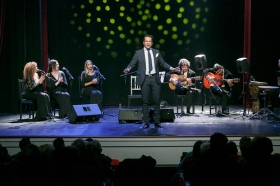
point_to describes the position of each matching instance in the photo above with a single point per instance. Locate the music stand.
(265, 112)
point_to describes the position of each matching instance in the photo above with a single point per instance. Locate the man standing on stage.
(148, 60)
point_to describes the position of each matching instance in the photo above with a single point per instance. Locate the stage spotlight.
(200, 61)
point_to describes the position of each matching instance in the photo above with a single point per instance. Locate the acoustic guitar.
(217, 79)
(182, 79)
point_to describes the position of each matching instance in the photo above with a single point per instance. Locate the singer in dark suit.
(148, 78)
(56, 84)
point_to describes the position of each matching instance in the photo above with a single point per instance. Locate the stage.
(126, 139)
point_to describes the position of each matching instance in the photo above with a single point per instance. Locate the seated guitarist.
(225, 91)
(182, 87)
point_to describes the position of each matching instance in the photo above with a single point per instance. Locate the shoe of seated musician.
(225, 112)
(188, 111)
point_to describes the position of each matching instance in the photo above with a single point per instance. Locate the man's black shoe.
(158, 125)
(146, 126)
(225, 112)
(188, 111)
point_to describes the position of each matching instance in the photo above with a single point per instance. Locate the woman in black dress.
(90, 80)
(34, 90)
(56, 84)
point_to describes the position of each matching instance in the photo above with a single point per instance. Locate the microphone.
(252, 78)
(41, 71)
(95, 66)
(67, 72)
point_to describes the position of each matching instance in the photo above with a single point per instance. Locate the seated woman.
(56, 84)
(90, 80)
(34, 90)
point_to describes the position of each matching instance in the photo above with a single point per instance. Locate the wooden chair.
(22, 100)
(133, 88)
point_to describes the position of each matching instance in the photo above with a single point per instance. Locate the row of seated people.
(81, 163)
(56, 84)
(217, 162)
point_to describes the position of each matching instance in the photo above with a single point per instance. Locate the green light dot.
(105, 28)
(140, 32)
(131, 31)
(148, 25)
(204, 20)
(174, 36)
(112, 32)
(196, 36)
(122, 36)
(122, 8)
(165, 32)
(104, 1)
(88, 20)
(140, 12)
(98, 20)
(128, 41)
(133, 24)
(147, 11)
(191, 3)
(72, 22)
(88, 45)
(107, 47)
(128, 54)
(99, 54)
(139, 23)
(206, 9)
(197, 16)
(90, 1)
(202, 29)
(80, 28)
(193, 26)
(179, 42)
(121, 14)
(179, 15)
(167, 7)
(89, 14)
(129, 19)
(197, 10)
(98, 8)
(137, 40)
(114, 54)
(87, 34)
(139, 6)
(82, 6)
(179, 1)
(168, 20)
(181, 9)
(166, 1)
(107, 8)
(158, 47)
(161, 41)
(98, 39)
(185, 21)
(144, 17)
(110, 41)
(185, 33)
(158, 6)
(174, 29)
(188, 41)
(120, 28)
(131, 9)
(160, 27)
(155, 17)
(112, 21)
(75, 15)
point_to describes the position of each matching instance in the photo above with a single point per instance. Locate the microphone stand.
(101, 87)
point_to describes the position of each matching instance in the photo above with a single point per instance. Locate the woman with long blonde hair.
(90, 80)
(34, 90)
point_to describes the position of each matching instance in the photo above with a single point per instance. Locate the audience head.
(262, 146)
(232, 148)
(245, 146)
(80, 144)
(58, 143)
(196, 148)
(218, 144)
(24, 142)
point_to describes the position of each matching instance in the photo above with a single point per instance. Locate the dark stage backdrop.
(108, 33)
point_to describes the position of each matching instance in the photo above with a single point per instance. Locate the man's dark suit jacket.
(139, 60)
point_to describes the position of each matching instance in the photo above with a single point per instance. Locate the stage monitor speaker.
(200, 61)
(130, 115)
(242, 65)
(84, 113)
(166, 115)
